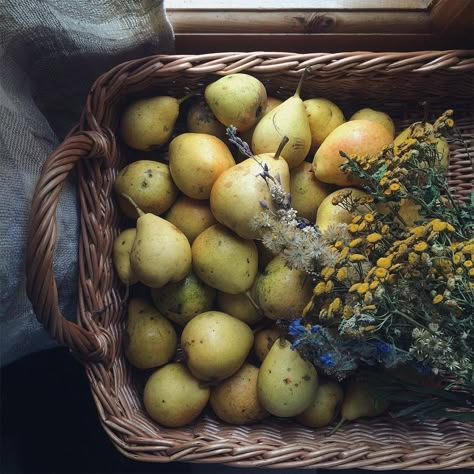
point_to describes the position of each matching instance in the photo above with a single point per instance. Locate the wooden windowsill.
(382, 25)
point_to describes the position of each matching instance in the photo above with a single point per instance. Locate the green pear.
(151, 338)
(238, 192)
(286, 382)
(264, 340)
(148, 123)
(180, 301)
(224, 260)
(361, 400)
(288, 119)
(160, 253)
(237, 99)
(281, 292)
(215, 345)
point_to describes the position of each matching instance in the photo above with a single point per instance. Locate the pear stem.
(338, 426)
(254, 304)
(133, 203)
(186, 97)
(300, 83)
(282, 144)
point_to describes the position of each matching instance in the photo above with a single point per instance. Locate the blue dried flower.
(296, 328)
(326, 359)
(315, 329)
(383, 347)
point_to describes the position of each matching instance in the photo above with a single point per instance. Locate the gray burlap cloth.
(50, 53)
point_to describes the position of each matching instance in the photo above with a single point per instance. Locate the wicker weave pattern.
(396, 80)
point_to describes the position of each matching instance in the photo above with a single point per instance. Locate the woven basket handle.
(42, 233)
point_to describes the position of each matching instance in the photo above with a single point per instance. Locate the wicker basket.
(394, 81)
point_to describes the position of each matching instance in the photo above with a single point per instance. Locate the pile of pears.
(205, 293)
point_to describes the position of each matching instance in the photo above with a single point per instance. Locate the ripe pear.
(282, 293)
(235, 400)
(375, 116)
(360, 137)
(237, 99)
(215, 345)
(361, 400)
(196, 161)
(323, 116)
(264, 340)
(151, 338)
(408, 213)
(286, 382)
(148, 123)
(325, 405)
(190, 216)
(182, 300)
(173, 396)
(425, 128)
(121, 256)
(200, 119)
(149, 184)
(307, 192)
(160, 253)
(288, 119)
(224, 260)
(272, 102)
(331, 214)
(242, 306)
(238, 192)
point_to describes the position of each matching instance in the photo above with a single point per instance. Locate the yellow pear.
(264, 340)
(238, 192)
(148, 123)
(149, 184)
(325, 405)
(224, 260)
(323, 116)
(286, 382)
(235, 399)
(272, 102)
(425, 128)
(200, 119)
(288, 119)
(281, 292)
(160, 253)
(190, 216)
(215, 345)
(151, 338)
(331, 214)
(375, 116)
(237, 99)
(173, 396)
(408, 213)
(242, 306)
(307, 192)
(359, 137)
(121, 256)
(361, 400)
(196, 161)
